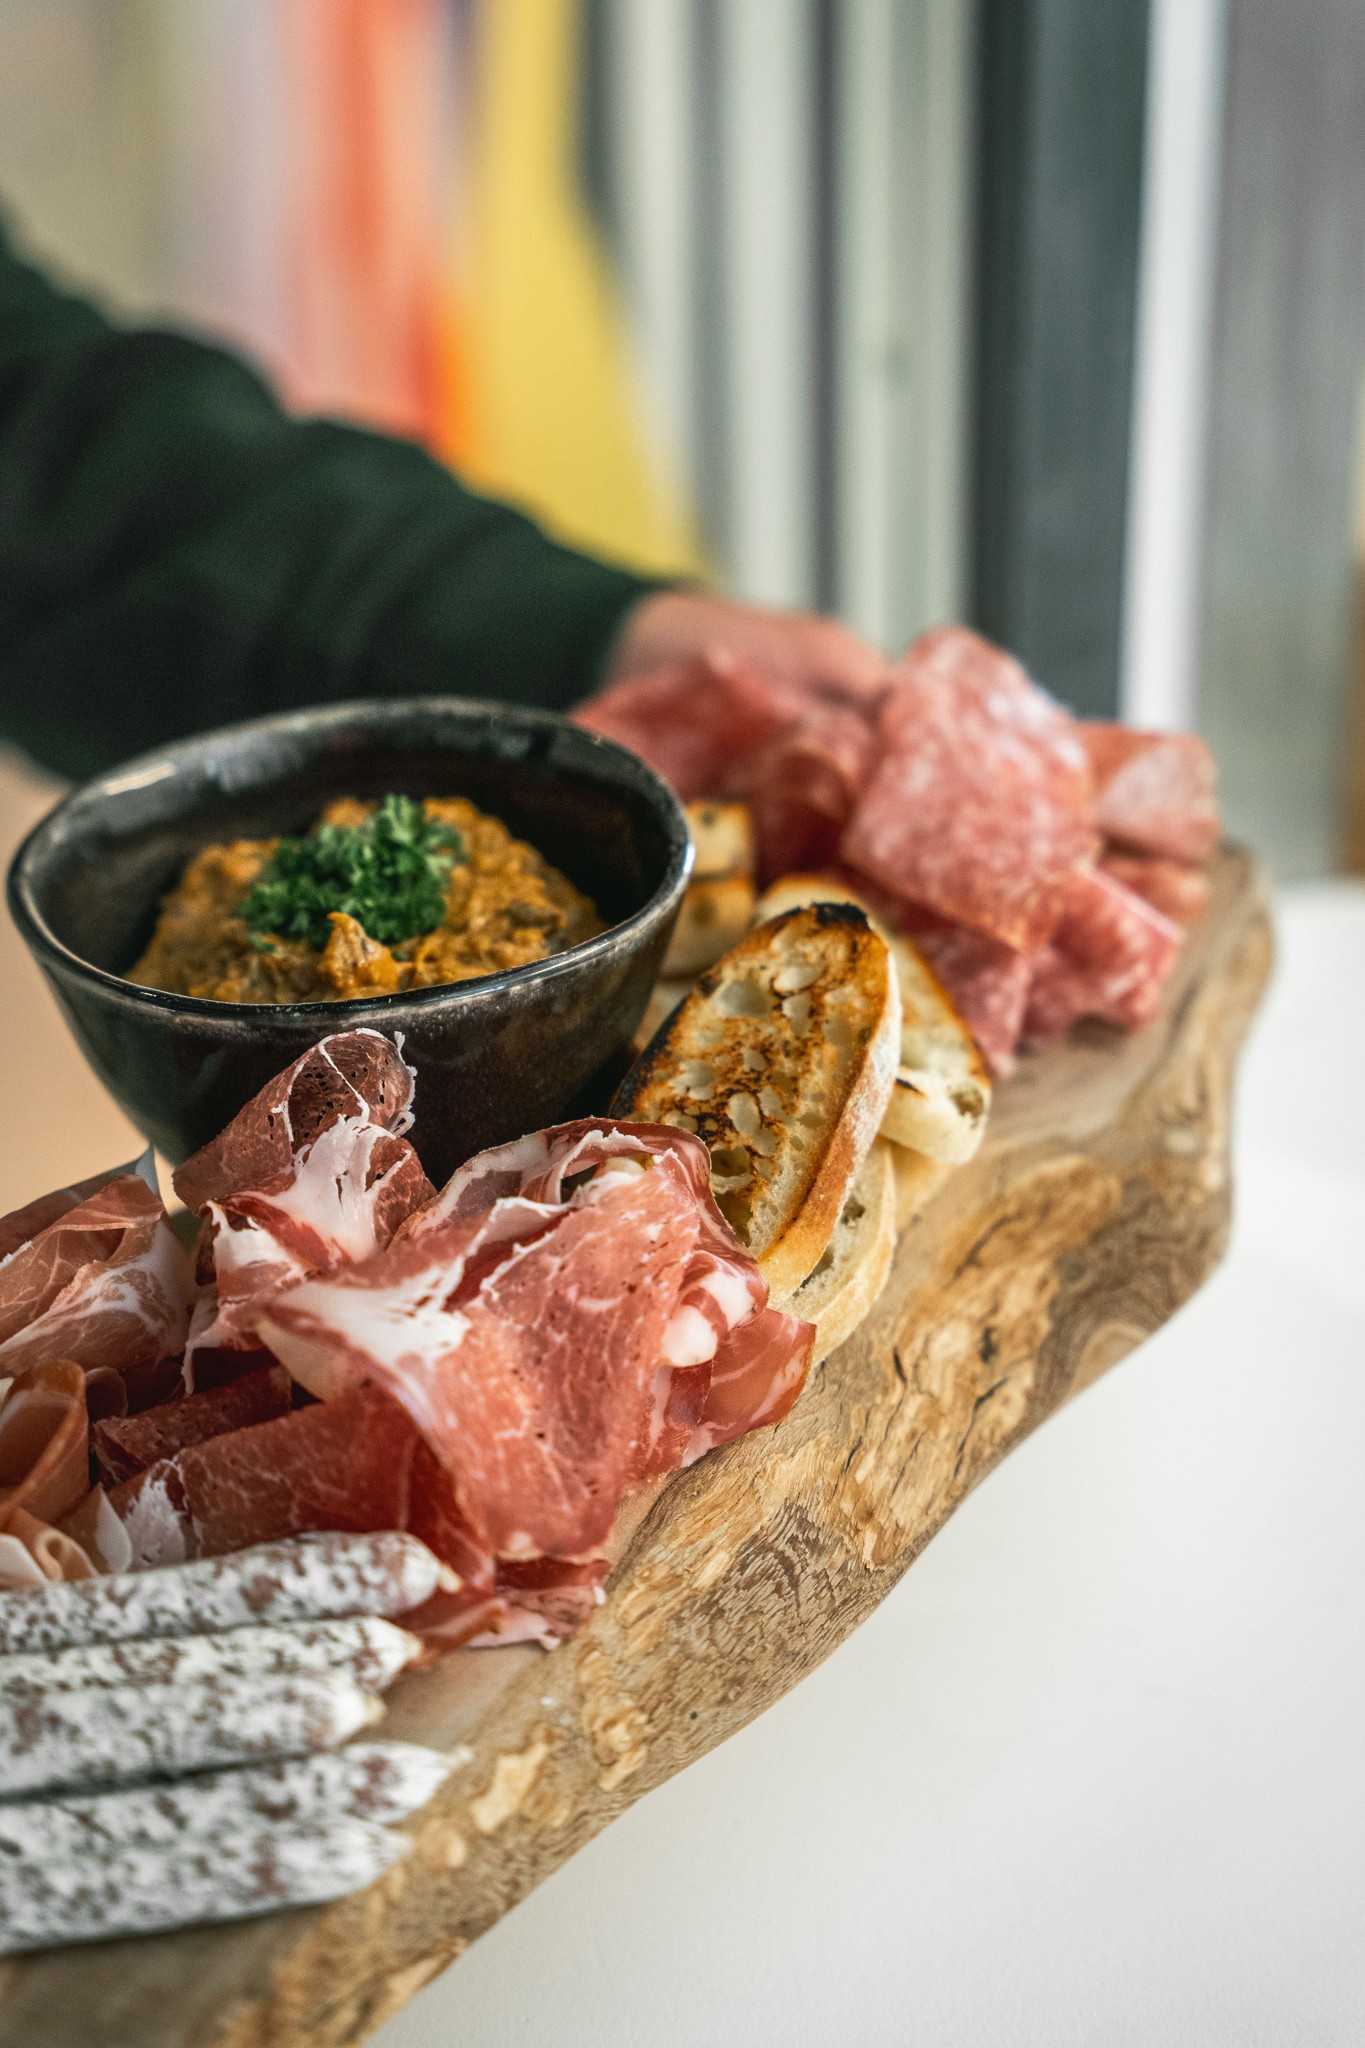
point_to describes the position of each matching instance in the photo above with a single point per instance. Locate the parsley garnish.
(389, 874)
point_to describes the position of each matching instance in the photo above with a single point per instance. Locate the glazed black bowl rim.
(138, 771)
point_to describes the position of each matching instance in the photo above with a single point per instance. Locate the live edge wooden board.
(1098, 1204)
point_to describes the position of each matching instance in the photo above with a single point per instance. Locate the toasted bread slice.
(942, 1096)
(719, 904)
(782, 1060)
(664, 999)
(918, 1180)
(716, 912)
(723, 836)
(853, 1270)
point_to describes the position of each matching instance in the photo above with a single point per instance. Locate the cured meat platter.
(1098, 1202)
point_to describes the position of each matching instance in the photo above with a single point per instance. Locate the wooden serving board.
(1098, 1204)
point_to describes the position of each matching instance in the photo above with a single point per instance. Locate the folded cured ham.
(44, 1475)
(101, 1280)
(494, 1368)
(95, 1294)
(314, 1172)
(124, 1446)
(966, 806)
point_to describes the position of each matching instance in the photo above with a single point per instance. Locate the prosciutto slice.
(314, 1172)
(125, 1446)
(44, 1475)
(357, 1463)
(102, 1280)
(336, 1465)
(533, 1319)
(570, 1317)
(980, 803)
(23, 1225)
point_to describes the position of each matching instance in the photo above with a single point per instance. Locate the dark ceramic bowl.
(494, 1057)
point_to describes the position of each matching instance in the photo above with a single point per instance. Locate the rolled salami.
(307, 1578)
(373, 1652)
(373, 1781)
(140, 1890)
(118, 1734)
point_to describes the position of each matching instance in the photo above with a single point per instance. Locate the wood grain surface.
(1098, 1204)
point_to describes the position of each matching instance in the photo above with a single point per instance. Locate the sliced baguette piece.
(918, 1180)
(719, 904)
(715, 914)
(782, 1060)
(942, 1097)
(854, 1268)
(723, 840)
(664, 999)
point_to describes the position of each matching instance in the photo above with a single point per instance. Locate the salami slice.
(988, 982)
(1178, 892)
(801, 789)
(1110, 958)
(1155, 792)
(311, 1578)
(138, 1891)
(119, 1734)
(380, 1782)
(980, 803)
(695, 721)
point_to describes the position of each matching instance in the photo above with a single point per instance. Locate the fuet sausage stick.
(138, 1891)
(374, 1781)
(372, 1652)
(118, 1734)
(307, 1578)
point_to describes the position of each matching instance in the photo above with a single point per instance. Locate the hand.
(805, 648)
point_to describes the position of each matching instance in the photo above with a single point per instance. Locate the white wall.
(904, 318)
(1164, 570)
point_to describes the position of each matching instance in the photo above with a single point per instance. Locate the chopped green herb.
(389, 874)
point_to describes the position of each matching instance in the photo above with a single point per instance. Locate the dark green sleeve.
(176, 553)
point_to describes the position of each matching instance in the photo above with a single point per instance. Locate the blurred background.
(1043, 314)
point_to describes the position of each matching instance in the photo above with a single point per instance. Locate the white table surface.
(1095, 1773)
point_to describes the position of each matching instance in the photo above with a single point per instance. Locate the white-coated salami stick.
(118, 1734)
(371, 1651)
(307, 1578)
(373, 1781)
(140, 1891)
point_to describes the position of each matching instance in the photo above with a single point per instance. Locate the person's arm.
(176, 552)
